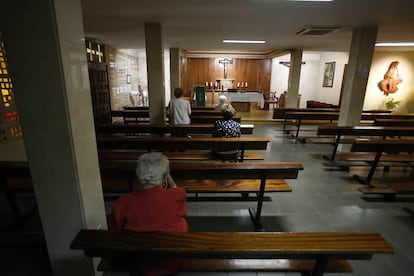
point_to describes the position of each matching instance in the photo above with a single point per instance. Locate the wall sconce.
(128, 78)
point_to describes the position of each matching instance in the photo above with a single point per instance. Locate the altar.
(242, 101)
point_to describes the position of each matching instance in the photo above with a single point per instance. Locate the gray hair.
(222, 98)
(152, 168)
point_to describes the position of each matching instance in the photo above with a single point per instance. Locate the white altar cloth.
(252, 97)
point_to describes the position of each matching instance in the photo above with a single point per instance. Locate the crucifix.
(225, 62)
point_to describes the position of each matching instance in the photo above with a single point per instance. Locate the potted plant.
(390, 104)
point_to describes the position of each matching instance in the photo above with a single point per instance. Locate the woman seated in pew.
(226, 128)
(223, 106)
(156, 204)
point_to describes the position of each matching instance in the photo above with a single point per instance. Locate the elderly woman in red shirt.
(156, 204)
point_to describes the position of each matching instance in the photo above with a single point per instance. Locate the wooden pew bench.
(196, 144)
(172, 156)
(394, 122)
(14, 178)
(204, 177)
(142, 116)
(132, 116)
(338, 132)
(385, 150)
(214, 177)
(279, 114)
(329, 117)
(162, 130)
(307, 253)
(209, 119)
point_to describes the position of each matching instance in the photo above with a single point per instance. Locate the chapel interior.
(71, 68)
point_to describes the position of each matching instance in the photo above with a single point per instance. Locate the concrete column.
(360, 58)
(174, 69)
(46, 55)
(294, 77)
(155, 69)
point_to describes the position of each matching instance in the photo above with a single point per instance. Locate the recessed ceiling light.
(395, 44)
(244, 41)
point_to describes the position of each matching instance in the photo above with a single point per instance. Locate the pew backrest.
(133, 246)
(365, 130)
(394, 122)
(162, 129)
(216, 170)
(381, 145)
(177, 143)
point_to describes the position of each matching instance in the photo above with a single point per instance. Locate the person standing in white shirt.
(179, 109)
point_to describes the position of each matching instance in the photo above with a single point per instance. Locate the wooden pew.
(198, 116)
(382, 148)
(203, 119)
(162, 129)
(206, 112)
(199, 177)
(280, 113)
(394, 122)
(181, 143)
(355, 131)
(132, 115)
(307, 253)
(298, 117)
(223, 173)
(14, 177)
(120, 154)
(211, 107)
(329, 117)
(207, 107)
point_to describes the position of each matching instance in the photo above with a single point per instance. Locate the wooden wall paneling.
(198, 71)
(98, 78)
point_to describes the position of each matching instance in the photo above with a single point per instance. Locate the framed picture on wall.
(328, 74)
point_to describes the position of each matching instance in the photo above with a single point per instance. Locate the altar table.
(249, 97)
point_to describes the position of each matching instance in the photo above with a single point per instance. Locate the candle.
(238, 84)
(211, 83)
(216, 85)
(206, 83)
(242, 84)
(245, 84)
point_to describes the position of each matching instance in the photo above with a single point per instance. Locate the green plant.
(391, 104)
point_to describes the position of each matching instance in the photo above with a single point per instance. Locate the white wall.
(311, 78)
(331, 94)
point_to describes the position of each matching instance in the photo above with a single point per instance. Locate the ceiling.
(199, 26)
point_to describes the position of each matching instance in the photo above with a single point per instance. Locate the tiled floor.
(322, 200)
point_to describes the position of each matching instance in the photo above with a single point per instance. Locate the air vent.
(319, 31)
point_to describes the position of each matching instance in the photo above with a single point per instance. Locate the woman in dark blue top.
(226, 128)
